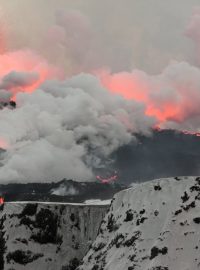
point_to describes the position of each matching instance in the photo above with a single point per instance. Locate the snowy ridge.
(47, 236)
(87, 202)
(151, 226)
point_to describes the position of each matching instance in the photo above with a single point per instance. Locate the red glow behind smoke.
(149, 91)
(27, 61)
(132, 88)
(3, 144)
(23, 61)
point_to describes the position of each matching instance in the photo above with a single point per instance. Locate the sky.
(127, 34)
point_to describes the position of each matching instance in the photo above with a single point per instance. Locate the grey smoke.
(64, 129)
(18, 79)
(5, 95)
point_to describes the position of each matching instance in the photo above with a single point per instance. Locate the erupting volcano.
(67, 124)
(98, 98)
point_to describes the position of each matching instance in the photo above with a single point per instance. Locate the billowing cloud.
(65, 128)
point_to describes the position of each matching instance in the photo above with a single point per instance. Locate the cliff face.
(151, 226)
(47, 236)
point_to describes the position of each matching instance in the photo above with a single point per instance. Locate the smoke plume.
(65, 128)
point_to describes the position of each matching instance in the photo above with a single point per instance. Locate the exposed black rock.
(22, 257)
(155, 251)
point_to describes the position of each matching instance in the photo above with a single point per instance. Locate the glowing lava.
(1, 200)
(107, 180)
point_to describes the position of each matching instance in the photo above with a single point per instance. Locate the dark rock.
(191, 205)
(155, 251)
(157, 188)
(111, 226)
(129, 216)
(22, 257)
(178, 212)
(185, 197)
(29, 210)
(73, 264)
(197, 220)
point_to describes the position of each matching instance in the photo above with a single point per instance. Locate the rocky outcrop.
(47, 236)
(151, 226)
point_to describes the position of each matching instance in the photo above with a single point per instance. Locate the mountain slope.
(151, 226)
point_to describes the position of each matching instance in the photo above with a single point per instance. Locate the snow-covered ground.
(151, 226)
